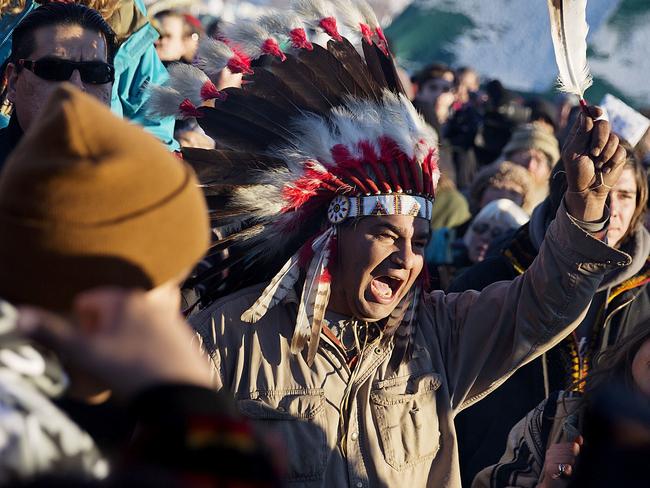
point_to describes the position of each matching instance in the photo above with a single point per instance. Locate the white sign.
(625, 121)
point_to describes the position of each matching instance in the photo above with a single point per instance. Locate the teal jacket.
(136, 65)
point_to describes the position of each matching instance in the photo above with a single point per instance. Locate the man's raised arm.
(486, 336)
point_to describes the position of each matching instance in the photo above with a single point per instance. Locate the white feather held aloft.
(569, 30)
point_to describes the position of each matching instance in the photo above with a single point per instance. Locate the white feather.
(281, 24)
(261, 200)
(304, 322)
(313, 11)
(569, 32)
(188, 81)
(212, 56)
(248, 36)
(350, 15)
(275, 292)
(162, 101)
(368, 14)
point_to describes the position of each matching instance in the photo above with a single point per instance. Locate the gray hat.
(531, 136)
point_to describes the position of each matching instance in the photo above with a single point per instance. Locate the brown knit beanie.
(531, 136)
(87, 200)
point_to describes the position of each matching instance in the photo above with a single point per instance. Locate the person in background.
(94, 258)
(537, 150)
(179, 36)
(451, 250)
(196, 30)
(543, 448)
(501, 180)
(136, 62)
(494, 220)
(468, 83)
(53, 44)
(450, 209)
(434, 99)
(502, 113)
(435, 94)
(464, 125)
(621, 305)
(543, 114)
(178, 42)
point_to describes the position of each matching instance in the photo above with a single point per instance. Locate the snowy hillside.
(510, 40)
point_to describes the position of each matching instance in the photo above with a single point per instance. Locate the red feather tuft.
(387, 147)
(313, 183)
(348, 163)
(366, 33)
(299, 39)
(328, 24)
(326, 276)
(271, 47)
(188, 109)
(383, 41)
(426, 173)
(306, 253)
(368, 151)
(239, 63)
(209, 91)
(416, 176)
(404, 174)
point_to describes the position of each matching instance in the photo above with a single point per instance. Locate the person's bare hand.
(129, 340)
(564, 453)
(594, 161)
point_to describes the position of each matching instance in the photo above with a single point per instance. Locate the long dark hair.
(615, 362)
(55, 13)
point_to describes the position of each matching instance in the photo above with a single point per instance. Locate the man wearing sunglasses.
(55, 43)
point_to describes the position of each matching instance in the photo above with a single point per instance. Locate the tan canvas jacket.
(372, 427)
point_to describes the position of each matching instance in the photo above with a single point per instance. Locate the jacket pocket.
(406, 416)
(297, 417)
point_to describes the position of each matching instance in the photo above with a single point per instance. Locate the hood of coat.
(637, 245)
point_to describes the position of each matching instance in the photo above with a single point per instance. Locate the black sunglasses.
(92, 72)
(481, 228)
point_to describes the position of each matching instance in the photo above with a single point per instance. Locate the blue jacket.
(136, 65)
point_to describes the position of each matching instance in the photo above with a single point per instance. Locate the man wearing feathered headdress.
(323, 192)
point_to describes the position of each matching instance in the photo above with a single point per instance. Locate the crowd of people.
(261, 253)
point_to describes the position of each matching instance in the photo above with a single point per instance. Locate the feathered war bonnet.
(315, 136)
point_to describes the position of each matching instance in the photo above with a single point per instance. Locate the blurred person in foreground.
(621, 304)
(99, 224)
(536, 149)
(327, 337)
(53, 44)
(544, 447)
(136, 62)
